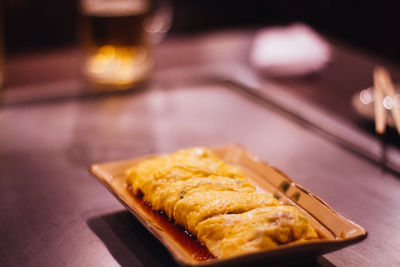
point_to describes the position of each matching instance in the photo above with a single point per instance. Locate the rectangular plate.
(337, 231)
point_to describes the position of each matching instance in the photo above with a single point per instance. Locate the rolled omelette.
(215, 202)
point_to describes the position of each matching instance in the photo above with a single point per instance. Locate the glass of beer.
(116, 46)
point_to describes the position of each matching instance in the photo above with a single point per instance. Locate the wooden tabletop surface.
(203, 92)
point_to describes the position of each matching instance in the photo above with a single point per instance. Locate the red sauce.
(190, 243)
(320, 235)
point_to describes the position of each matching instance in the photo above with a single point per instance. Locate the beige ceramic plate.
(337, 231)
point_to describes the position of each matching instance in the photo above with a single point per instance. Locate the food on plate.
(215, 202)
(266, 227)
(196, 207)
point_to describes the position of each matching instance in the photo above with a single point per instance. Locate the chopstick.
(383, 85)
(379, 109)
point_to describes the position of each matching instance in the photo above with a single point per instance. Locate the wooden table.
(202, 93)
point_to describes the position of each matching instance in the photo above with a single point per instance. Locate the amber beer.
(117, 54)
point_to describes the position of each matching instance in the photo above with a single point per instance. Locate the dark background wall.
(371, 25)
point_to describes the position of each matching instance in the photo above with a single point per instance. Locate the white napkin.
(289, 50)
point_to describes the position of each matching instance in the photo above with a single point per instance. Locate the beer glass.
(116, 46)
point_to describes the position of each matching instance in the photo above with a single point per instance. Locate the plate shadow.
(128, 241)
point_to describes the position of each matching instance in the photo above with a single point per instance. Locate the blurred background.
(32, 25)
(204, 85)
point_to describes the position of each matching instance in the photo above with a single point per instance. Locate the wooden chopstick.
(379, 109)
(386, 86)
